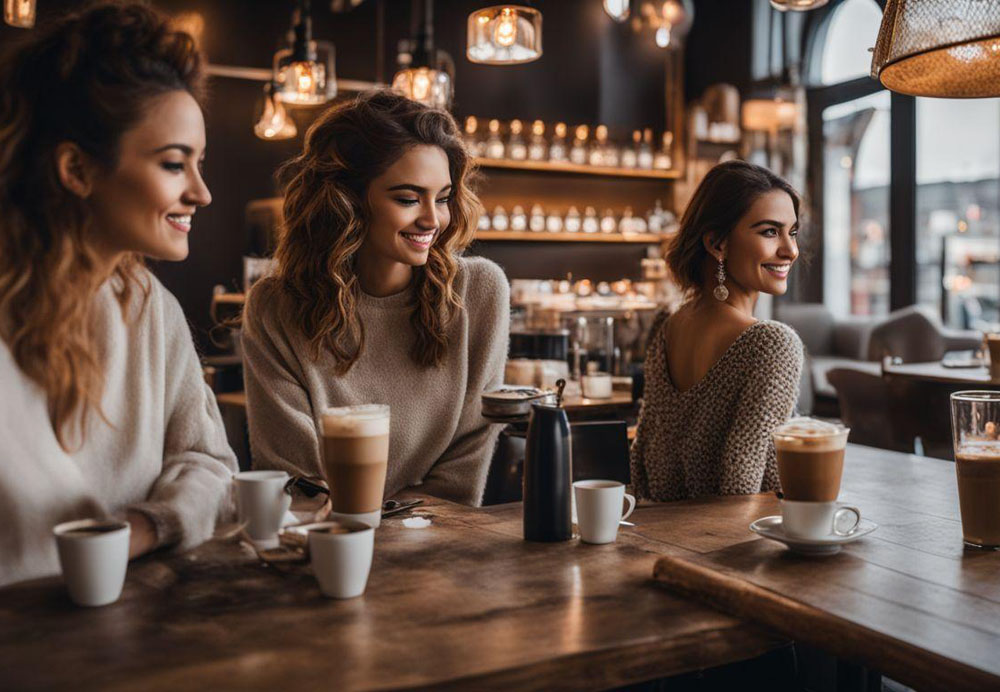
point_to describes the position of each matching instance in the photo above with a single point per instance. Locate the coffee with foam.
(355, 456)
(810, 455)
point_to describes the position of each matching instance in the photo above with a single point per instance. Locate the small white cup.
(599, 509)
(596, 385)
(818, 520)
(341, 561)
(93, 555)
(262, 505)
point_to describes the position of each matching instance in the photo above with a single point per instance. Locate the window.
(851, 32)
(958, 210)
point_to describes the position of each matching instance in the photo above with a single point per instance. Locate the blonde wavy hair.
(86, 79)
(326, 217)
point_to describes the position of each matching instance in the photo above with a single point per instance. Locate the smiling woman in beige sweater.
(103, 409)
(372, 302)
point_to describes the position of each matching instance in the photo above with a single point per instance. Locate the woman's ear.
(717, 249)
(75, 169)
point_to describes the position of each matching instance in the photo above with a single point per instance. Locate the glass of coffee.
(993, 349)
(810, 456)
(975, 428)
(355, 458)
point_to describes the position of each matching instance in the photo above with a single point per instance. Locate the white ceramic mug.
(596, 385)
(262, 504)
(818, 520)
(93, 555)
(341, 561)
(599, 509)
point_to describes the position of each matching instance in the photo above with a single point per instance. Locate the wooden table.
(906, 600)
(465, 603)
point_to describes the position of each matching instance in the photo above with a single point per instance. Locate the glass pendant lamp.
(274, 122)
(304, 73)
(19, 13)
(944, 49)
(426, 74)
(504, 35)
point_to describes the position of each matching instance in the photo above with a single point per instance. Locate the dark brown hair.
(326, 217)
(724, 196)
(86, 78)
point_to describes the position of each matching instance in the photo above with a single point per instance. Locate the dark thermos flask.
(548, 474)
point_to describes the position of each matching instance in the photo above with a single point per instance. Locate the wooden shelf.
(558, 167)
(545, 236)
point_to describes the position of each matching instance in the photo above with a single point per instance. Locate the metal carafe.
(548, 473)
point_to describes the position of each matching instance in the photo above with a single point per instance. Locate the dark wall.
(592, 71)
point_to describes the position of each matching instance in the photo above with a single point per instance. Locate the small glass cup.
(975, 426)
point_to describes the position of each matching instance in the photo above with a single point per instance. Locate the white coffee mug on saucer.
(262, 502)
(599, 509)
(818, 520)
(93, 555)
(341, 561)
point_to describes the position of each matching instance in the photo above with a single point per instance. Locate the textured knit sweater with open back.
(715, 437)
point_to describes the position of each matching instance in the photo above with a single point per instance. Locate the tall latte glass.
(975, 426)
(355, 458)
(810, 459)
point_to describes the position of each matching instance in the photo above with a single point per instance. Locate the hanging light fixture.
(950, 50)
(618, 10)
(274, 122)
(426, 74)
(304, 73)
(670, 20)
(504, 35)
(19, 13)
(797, 5)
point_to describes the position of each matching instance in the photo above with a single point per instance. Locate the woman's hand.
(143, 535)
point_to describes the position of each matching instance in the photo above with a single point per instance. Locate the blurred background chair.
(864, 408)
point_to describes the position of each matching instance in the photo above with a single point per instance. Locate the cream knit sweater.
(164, 453)
(438, 438)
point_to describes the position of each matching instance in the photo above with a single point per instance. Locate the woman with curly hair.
(104, 408)
(372, 301)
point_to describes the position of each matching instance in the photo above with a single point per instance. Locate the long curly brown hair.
(326, 216)
(86, 79)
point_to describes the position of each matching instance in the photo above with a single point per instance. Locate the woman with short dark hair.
(104, 409)
(717, 380)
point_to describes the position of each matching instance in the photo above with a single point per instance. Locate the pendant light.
(19, 13)
(304, 73)
(670, 20)
(504, 35)
(618, 10)
(274, 122)
(797, 5)
(930, 48)
(426, 74)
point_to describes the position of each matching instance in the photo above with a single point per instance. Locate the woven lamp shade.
(946, 48)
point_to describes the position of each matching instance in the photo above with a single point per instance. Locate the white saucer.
(770, 527)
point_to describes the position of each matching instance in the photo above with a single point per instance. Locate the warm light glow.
(274, 122)
(663, 37)
(538, 128)
(617, 9)
(426, 85)
(305, 82)
(766, 115)
(504, 34)
(191, 23)
(19, 13)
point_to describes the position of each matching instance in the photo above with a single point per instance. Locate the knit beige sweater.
(438, 438)
(164, 453)
(715, 437)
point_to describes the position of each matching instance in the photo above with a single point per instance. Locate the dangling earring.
(721, 292)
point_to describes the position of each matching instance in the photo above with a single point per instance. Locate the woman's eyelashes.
(173, 166)
(409, 201)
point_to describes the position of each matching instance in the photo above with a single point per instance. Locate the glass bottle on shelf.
(608, 223)
(557, 149)
(644, 156)
(500, 221)
(663, 160)
(612, 154)
(494, 145)
(554, 223)
(590, 222)
(630, 154)
(537, 149)
(573, 223)
(518, 219)
(595, 153)
(536, 222)
(516, 148)
(626, 223)
(484, 221)
(578, 153)
(472, 141)
(654, 219)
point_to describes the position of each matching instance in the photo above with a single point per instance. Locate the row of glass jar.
(583, 150)
(656, 220)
